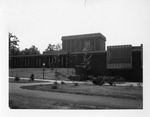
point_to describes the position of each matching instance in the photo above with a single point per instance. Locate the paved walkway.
(104, 102)
(88, 82)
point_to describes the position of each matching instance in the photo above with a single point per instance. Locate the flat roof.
(83, 36)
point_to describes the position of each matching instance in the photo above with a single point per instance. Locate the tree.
(85, 67)
(13, 45)
(50, 48)
(58, 47)
(54, 47)
(32, 50)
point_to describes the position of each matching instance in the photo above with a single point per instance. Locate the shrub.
(131, 85)
(54, 86)
(62, 82)
(139, 84)
(90, 78)
(55, 83)
(16, 78)
(119, 79)
(111, 80)
(98, 81)
(110, 83)
(76, 84)
(74, 78)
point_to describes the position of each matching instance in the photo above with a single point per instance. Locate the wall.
(77, 45)
(98, 64)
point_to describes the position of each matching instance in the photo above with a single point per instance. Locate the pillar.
(94, 44)
(62, 61)
(66, 62)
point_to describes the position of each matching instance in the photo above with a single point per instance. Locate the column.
(28, 62)
(16, 62)
(24, 62)
(66, 45)
(39, 62)
(94, 44)
(49, 62)
(80, 45)
(66, 62)
(62, 61)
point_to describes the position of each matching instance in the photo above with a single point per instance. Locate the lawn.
(38, 73)
(130, 92)
(24, 102)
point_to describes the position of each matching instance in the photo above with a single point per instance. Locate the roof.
(55, 52)
(61, 53)
(84, 36)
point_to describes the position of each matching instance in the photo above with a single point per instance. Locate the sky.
(43, 22)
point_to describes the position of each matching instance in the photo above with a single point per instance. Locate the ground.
(39, 95)
(90, 89)
(25, 102)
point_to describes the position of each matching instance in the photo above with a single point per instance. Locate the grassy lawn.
(90, 89)
(24, 102)
(24, 81)
(38, 73)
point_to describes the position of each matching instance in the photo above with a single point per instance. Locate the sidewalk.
(86, 82)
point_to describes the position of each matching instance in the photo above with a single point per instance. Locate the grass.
(24, 102)
(24, 81)
(38, 73)
(90, 89)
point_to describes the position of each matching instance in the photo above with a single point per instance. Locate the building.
(76, 43)
(118, 60)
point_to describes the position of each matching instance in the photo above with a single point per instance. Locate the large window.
(119, 57)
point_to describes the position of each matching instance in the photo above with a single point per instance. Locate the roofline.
(56, 54)
(80, 36)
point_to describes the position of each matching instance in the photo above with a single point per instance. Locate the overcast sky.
(41, 22)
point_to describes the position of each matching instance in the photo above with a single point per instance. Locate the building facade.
(120, 60)
(76, 43)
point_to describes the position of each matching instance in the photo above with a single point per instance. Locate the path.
(105, 102)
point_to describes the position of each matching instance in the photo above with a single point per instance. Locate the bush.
(74, 78)
(110, 80)
(98, 81)
(55, 83)
(90, 78)
(16, 78)
(76, 84)
(54, 86)
(119, 79)
(62, 82)
(110, 83)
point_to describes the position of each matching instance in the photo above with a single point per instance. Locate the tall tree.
(30, 51)
(13, 45)
(53, 47)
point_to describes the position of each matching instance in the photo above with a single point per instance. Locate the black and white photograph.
(75, 56)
